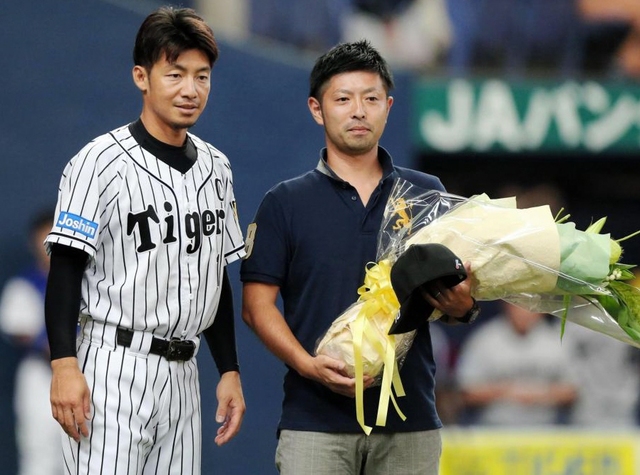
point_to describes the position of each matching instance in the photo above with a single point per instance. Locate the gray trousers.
(319, 453)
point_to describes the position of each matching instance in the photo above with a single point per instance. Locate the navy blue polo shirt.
(313, 239)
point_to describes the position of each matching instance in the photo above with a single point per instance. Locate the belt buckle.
(180, 350)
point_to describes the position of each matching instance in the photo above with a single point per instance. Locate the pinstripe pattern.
(157, 427)
(159, 240)
(173, 288)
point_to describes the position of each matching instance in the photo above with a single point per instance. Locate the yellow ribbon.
(377, 296)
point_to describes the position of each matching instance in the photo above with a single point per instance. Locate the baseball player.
(145, 224)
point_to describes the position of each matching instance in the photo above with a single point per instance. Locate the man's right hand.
(330, 372)
(70, 402)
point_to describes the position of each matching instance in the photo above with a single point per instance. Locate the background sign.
(531, 452)
(495, 115)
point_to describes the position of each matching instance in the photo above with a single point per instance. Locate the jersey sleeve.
(88, 186)
(267, 251)
(234, 242)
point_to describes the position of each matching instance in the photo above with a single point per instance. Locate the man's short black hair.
(348, 57)
(171, 31)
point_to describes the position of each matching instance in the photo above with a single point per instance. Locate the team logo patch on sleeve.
(77, 223)
(250, 239)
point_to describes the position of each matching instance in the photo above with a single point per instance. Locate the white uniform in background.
(415, 38)
(607, 373)
(496, 354)
(37, 433)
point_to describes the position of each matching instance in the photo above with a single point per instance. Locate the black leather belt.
(172, 350)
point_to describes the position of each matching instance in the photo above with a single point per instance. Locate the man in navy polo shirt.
(310, 241)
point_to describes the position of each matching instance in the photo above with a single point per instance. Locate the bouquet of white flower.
(525, 256)
(541, 263)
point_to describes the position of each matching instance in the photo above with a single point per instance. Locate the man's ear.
(140, 78)
(316, 110)
(389, 104)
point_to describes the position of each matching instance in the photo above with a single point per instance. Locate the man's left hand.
(231, 407)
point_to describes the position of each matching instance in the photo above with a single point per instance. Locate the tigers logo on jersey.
(197, 225)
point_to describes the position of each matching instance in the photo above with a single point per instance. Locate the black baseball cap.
(417, 266)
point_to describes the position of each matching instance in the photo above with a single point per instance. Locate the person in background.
(616, 29)
(513, 371)
(310, 243)
(607, 374)
(412, 34)
(22, 320)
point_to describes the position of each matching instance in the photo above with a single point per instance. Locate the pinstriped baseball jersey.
(158, 238)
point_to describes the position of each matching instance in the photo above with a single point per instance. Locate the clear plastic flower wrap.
(524, 256)
(408, 209)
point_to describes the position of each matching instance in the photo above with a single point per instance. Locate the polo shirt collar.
(383, 157)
